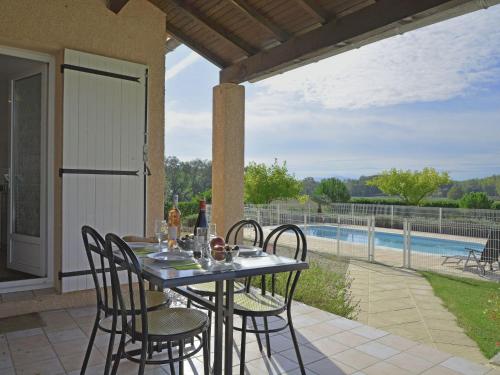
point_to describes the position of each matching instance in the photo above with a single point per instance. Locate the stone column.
(228, 150)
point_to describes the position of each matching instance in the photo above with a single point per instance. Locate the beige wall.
(4, 127)
(136, 34)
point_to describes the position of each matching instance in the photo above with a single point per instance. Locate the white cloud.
(181, 65)
(435, 63)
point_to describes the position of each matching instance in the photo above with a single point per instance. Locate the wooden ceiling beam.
(261, 19)
(311, 7)
(116, 5)
(316, 44)
(197, 47)
(199, 17)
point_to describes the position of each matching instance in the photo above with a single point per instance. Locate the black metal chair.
(234, 236)
(153, 329)
(104, 320)
(253, 304)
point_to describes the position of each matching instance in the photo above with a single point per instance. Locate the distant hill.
(455, 190)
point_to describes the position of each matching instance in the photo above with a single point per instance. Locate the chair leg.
(259, 343)
(209, 330)
(171, 356)
(144, 353)
(91, 343)
(296, 344)
(268, 341)
(181, 353)
(206, 353)
(119, 354)
(111, 344)
(243, 345)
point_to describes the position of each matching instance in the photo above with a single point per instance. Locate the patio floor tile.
(378, 350)
(308, 355)
(385, 369)
(328, 366)
(397, 342)
(356, 359)
(328, 346)
(410, 362)
(428, 353)
(464, 366)
(350, 339)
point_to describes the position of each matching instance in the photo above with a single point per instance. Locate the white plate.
(135, 245)
(165, 256)
(250, 251)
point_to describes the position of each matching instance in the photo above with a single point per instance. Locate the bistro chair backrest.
(292, 237)
(95, 245)
(491, 251)
(236, 232)
(127, 260)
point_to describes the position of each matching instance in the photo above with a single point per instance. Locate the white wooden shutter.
(104, 125)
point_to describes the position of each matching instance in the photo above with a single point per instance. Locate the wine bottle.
(174, 223)
(201, 221)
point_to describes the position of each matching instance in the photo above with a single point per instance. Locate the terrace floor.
(402, 302)
(330, 345)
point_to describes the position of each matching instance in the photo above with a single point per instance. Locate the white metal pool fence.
(386, 216)
(420, 242)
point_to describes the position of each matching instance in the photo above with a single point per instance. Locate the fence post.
(258, 215)
(392, 216)
(338, 235)
(409, 244)
(305, 220)
(278, 212)
(405, 242)
(440, 219)
(371, 244)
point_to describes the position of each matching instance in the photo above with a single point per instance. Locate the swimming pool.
(430, 245)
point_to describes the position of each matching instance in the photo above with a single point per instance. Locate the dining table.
(160, 276)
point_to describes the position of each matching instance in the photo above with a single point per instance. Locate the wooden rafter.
(116, 5)
(355, 27)
(261, 19)
(197, 47)
(199, 17)
(315, 10)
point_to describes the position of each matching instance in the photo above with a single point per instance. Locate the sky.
(427, 98)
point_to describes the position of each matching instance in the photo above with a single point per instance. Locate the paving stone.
(356, 359)
(396, 342)
(328, 366)
(385, 369)
(410, 363)
(428, 353)
(378, 350)
(464, 366)
(369, 332)
(349, 338)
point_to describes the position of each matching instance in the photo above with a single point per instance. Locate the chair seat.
(208, 289)
(154, 299)
(256, 304)
(172, 323)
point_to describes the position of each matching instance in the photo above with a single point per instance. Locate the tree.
(475, 200)
(186, 178)
(309, 184)
(411, 186)
(455, 192)
(264, 184)
(332, 190)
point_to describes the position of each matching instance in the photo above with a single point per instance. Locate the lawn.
(325, 285)
(476, 304)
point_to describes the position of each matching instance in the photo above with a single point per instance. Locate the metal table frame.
(223, 312)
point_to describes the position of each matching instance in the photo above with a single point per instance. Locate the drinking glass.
(212, 230)
(161, 230)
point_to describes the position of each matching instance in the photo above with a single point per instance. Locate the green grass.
(476, 305)
(325, 285)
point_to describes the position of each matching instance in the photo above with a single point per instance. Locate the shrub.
(475, 200)
(189, 208)
(495, 205)
(448, 203)
(188, 222)
(378, 200)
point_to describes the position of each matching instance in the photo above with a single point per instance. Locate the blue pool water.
(423, 244)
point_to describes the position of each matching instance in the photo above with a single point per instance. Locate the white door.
(103, 172)
(27, 250)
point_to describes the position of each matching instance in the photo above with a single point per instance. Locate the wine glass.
(160, 230)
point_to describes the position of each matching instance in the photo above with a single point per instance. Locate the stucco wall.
(136, 34)
(4, 128)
